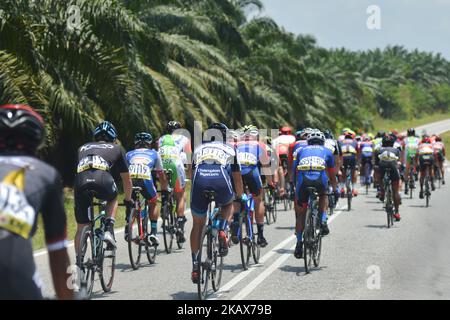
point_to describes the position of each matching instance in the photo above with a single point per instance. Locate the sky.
(421, 24)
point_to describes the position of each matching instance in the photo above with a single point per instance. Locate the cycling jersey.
(141, 164)
(171, 154)
(334, 147)
(366, 149)
(309, 169)
(377, 143)
(439, 147)
(349, 148)
(28, 187)
(184, 144)
(100, 165)
(298, 145)
(411, 146)
(282, 144)
(213, 164)
(388, 158)
(425, 153)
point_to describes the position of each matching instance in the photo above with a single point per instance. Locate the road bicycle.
(389, 197)
(246, 234)
(348, 187)
(96, 255)
(170, 226)
(137, 231)
(209, 262)
(312, 237)
(270, 205)
(367, 176)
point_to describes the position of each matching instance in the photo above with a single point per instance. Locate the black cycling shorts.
(17, 270)
(302, 189)
(365, 160)
(97, 181)
(394, 175)
(349, 162)
(426, 160)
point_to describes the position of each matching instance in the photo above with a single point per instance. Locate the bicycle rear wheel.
(108, 267)
(308, 240)
(150, 250)
(204, 265)
(349, 199)
(427, 191)
(85, 260)
(134, 239)
(244, 241)
(318, 244)
(267, 212)
(217, 264)
(167, 227)
(274, 208)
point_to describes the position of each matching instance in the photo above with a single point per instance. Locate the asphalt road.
(361, 259)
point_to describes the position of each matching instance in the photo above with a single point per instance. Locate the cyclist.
(301, 141)
(251, 154)
(28, 186)
(274, 165)
(215, 167)
(411, 144)
(141, 162)
(439, 155)
(100, 164)
(313, 167)
(350, 154)
(377, 144)
(365, 158)
(174, 150)
(282, 144)
(335, 148)
(424, 158)
(389, 157)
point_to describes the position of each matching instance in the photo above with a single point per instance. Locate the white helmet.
(316, 136)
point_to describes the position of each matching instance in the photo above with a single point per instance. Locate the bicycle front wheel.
(134, 239)
(204, 264)
(151, 250)
(167, 227)
(308, 240)
(217, 264)
(244, 241)
(108, 267)
(86, 258)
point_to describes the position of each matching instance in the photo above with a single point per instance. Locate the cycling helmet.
(21, 128)
(298, 135)
(358, 138)
(411, 132)
(105, 131)
(250, 130)
(172, 126)
(286, 131)
(328, 134)
(143, 138)
(306, 132)
(438, 139)
(316, 137)
(426, 139)
(389, 140)
(221, 127)
(380, 134)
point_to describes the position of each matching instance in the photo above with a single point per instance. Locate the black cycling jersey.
(28, 186)
(104, 156)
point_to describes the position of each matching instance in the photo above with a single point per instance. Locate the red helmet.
(426, 140)
(21, 128)
(286, 130)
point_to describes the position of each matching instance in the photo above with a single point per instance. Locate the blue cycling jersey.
(141, 162)
(250, 154)
(297, 147)
(312, 161)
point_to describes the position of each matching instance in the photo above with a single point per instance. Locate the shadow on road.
(183, 295)
(417, 206)
(299, 270)
(372, 226)
(126, 267)
(379, 210)
(285, 228)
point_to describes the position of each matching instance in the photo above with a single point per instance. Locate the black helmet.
(328, 134)
(20, 128)
(380, 134)
(221, 127)
(105, 131)
(411, 132)
(389, 140)
(172, 126)
(143, 138)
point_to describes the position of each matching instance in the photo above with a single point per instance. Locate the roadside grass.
(446, 139)
(39, 237)
(403, 125)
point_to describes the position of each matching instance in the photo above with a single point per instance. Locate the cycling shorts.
(178, 176)
(97, 181)
(365, 160)
(425, 160)
(210, 178)
(303, 183)
(349, 162)
(253, 181)
(394, 175)
(148, 189)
